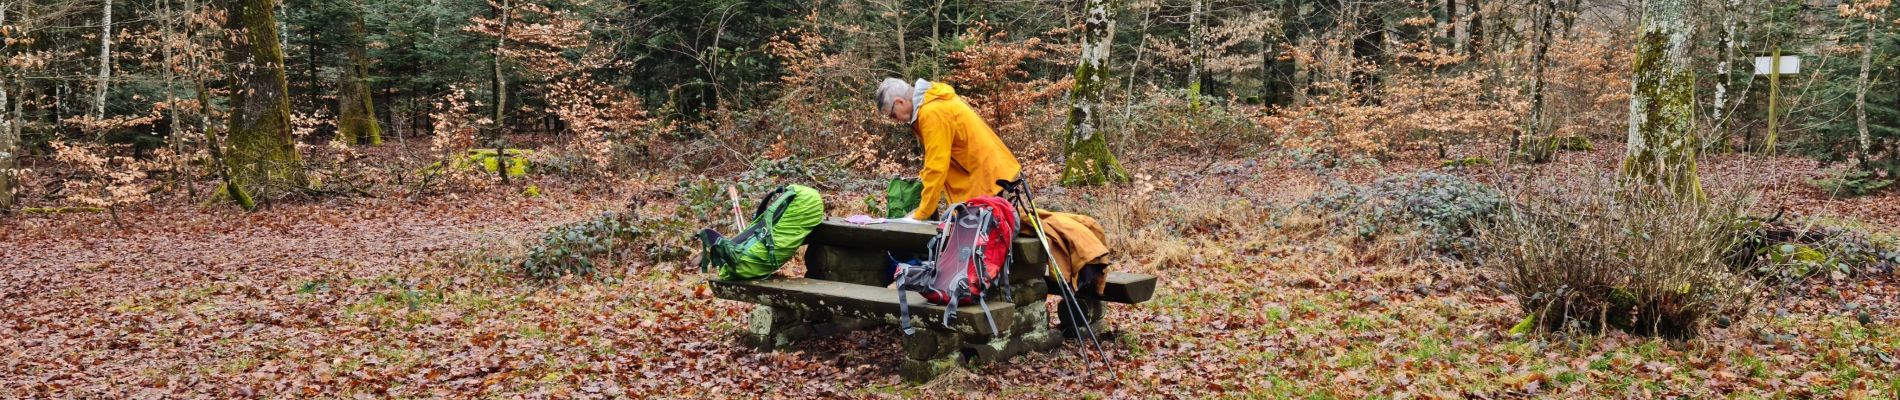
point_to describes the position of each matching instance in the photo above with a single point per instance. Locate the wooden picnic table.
(847, 286)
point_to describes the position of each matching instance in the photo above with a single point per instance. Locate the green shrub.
(1639, 260)
(1793, 252)
(1853, 183)
(1441, 208)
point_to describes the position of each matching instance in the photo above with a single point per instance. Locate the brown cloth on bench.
(1078, 242)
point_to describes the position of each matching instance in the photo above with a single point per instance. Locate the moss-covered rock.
(517, 160)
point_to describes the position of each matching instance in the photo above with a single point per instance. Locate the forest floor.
(399, 296)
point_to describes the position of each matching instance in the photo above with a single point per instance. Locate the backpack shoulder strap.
(767, 200)
(903, 301)
(784, 200)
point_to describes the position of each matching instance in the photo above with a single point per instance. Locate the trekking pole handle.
(738, 217)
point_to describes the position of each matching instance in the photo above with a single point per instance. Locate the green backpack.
(779, 225)
(902, 197)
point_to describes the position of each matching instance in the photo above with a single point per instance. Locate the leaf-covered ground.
(369, 297)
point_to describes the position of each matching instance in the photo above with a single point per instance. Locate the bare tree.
(1089, 160)
(1540, 58)
(1723, 67)
(8, 138)
(1868, 45)
(504, 11)
(105, 62)
(1195, 55)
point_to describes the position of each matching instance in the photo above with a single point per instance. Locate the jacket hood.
(917, 98)
(939, 91)
(926, 92)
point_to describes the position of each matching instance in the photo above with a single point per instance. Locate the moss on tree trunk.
(1089, 160)
(1662, 142)
(263, 160)
(357, 119)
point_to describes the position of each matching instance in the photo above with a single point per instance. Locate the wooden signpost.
(1774, 66)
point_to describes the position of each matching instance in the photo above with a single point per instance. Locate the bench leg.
(1030, 331)
(772, 328)
(929, 353)
(1035, 332)
(1091, 309)
(826, 325)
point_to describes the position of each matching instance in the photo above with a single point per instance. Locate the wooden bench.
(846, 287)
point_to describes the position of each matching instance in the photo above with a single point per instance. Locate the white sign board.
(1789, 65)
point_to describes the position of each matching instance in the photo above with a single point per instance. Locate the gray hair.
(889, 91)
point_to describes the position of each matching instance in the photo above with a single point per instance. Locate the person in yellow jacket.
(963, 158)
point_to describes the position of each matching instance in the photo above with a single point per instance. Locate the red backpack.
(970, 254)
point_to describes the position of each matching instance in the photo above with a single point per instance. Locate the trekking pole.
(1074, 311)
(1067, 286)
(1062, 282)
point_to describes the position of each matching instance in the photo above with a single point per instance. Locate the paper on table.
(865, 220)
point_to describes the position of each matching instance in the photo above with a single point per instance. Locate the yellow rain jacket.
(963, 158)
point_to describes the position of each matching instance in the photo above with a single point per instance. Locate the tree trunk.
(1860, 95)
(936, 29)
(175, 141)
(7, 138)
(1571, 9)
(1725, 70)
(1540, 57)
(1474, 29)
(1196, 56)
(105, 62)
(501, 94)
(1451, 23)
(357, 110)
(263, 160)
(1141, 52)
(903, 53)
(309, 82)
(1368, 48)
(1661, 149)
(1280, 73)
(1089, 160)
